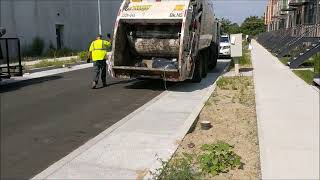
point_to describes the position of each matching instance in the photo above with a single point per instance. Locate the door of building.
(59, 35)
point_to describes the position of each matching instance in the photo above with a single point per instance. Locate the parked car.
(225, 50)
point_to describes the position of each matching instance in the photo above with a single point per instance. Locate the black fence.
(297, 43)
(10, 57)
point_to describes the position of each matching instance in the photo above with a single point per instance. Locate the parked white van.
(225, 50)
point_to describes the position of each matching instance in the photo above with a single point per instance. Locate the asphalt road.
(45, 119)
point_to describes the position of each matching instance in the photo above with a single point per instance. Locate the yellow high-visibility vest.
(98, 49)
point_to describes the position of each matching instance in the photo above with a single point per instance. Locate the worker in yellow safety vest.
(98, 54)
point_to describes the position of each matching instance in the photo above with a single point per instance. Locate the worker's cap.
(99, 35)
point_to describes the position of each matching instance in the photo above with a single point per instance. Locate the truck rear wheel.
(205, 59)
(213, 57)
(197, 74)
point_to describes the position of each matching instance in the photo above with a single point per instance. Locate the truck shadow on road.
(114, 82)
(18, 85)
(151, 84)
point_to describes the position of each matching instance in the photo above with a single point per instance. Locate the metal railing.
(299, 43)
(273, 39)
(10, 57)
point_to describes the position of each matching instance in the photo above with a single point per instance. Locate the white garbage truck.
(174, 40)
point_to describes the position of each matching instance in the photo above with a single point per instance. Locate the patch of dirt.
(231, 111)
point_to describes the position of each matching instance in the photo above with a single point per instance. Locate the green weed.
(179, 168)
(317, 63)
(306, 75)
(218, 158)
(55, 63)
(83, 55)
(212, 160)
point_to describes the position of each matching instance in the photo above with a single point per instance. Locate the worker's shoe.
(93, 85)
(104, 84)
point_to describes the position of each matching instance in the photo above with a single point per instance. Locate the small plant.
(223, 83)
(35, 49)
(56, 53)
(305, 75)
(245, 59)
(228, 83)
(37, 46)
(317, 63)
(208, 103)
(218, 158)
(179, 168)
(46, 63)
(83, 55)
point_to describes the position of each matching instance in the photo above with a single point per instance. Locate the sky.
(238, 10)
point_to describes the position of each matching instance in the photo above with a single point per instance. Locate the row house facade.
(291, 13)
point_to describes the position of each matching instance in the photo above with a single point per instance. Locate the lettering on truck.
(128, 11)
(177, 11)
(139, 8)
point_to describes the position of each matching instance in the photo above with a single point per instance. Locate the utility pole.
(99, 14)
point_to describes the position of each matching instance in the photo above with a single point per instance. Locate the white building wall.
(28, 19)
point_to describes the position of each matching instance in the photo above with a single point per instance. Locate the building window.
(310, 13)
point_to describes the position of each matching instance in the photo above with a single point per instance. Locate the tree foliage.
(252, 25)
(228, 27)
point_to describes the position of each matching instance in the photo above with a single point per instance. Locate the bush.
(35, 49)
(59, 52)
(46, 63)
(37, 46)
(83, 55)
(179, 168)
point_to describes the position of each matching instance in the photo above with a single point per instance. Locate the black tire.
(198, 69)
(205, 57)
(213, 57)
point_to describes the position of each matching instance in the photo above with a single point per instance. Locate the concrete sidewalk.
(131, 148)
(288, 120)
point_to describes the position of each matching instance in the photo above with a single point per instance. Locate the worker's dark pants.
(100, 66)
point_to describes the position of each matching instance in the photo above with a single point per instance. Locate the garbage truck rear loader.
(174, 40)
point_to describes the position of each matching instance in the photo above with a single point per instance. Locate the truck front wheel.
(197, 74)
